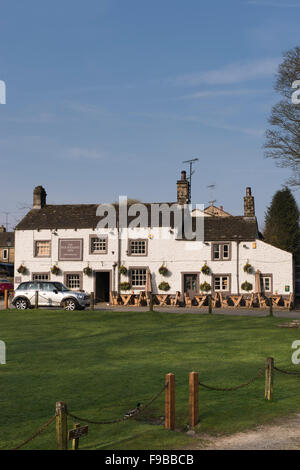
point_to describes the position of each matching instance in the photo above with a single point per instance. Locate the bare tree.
(283, 138)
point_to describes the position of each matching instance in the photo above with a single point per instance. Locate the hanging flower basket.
(164, 286)
(55, 270)
(248, 268)
(124, 286)
(205, 287)
(163, 270)
(21, 269)
(87, 270)
(205, 269)
(247, 286)
(123, 270)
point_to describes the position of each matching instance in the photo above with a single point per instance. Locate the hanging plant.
(124, 286)
(205, 287)
(55, 270)
(87, 270)
(248, 268)
(163, 270)
(21, 269)
(205, 269)
(164, 286)
(123, 270)
(247, 286)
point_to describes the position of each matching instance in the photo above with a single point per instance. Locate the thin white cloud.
(217, 93)
(232, 73)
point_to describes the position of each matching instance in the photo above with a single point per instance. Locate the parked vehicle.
(5, 285)
(50, 294)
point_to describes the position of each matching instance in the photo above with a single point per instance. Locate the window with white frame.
(5, 253)
(266, 283)
(221, 283)
(138, 277)
(98, 245)
(220, 251)
(137, 247)
(41, 277)
(73, 281)
(42, 248)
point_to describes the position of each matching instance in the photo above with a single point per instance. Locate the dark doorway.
(190, 284)
(102, 286)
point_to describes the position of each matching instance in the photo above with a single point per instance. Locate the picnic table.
(236, 299)
(127, 298)
(162, 298)
(201, 298)
(275, 299)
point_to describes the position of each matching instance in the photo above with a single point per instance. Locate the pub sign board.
(70, 249)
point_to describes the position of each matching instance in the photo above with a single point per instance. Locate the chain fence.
(237, 387)
(287, 372)
(137, 411)
(37, 433)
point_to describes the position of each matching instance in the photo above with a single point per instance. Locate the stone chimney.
(39, 197)
(2, 228)
(249, 208)
(183, 190)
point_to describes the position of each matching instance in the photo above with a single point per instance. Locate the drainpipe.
(238, 267)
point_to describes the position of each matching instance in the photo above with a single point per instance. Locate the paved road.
(217, 311)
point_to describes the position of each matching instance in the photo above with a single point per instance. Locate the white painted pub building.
(67, 237)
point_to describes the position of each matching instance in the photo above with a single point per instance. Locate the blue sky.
(108, 97)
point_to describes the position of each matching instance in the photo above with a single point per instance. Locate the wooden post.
(209, 304)
(6, 299)
(92, 301)
(61, 426)
(271, 307)
(36, 299)
(170, 402)
(75, 442)
(150, 302)
(193, 398)
(269, 379)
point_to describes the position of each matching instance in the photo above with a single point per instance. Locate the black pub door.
(102, 286)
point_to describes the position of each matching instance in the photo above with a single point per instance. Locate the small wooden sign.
(78, 432)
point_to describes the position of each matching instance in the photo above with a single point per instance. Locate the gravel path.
(282, 435)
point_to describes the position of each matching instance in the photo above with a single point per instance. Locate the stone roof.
(83, 216)
(230, 228)
(7, 237)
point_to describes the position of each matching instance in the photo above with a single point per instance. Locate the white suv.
(50, 294)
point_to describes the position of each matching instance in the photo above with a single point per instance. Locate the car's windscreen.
(59, 286)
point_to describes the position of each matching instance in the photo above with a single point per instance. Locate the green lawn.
(102, 363)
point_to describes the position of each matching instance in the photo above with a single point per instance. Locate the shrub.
(21, 269)
(246, 286)
(248, 268)
(55, 270)
(124, 286)
(205, 287)
(88, 271)
(163, 270)
(205, 269)
(164, 286)
(123, 270)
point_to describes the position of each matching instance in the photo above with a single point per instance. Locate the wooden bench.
(188, 300)
(223, 301)
(200, 299)
(174, 300)
(288, 303)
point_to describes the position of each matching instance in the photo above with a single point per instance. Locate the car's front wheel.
(21, 304)
(70, 304)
